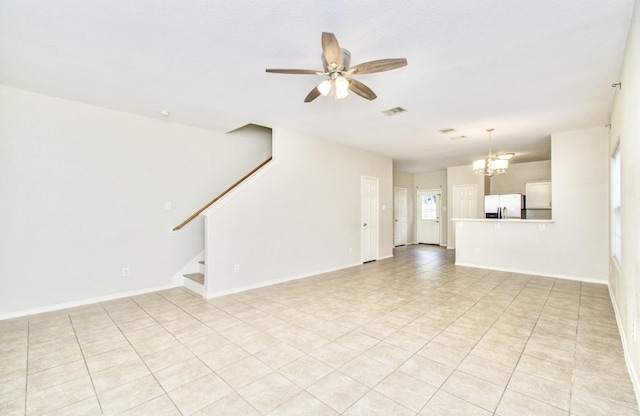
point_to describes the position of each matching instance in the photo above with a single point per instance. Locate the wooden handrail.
(229, 189)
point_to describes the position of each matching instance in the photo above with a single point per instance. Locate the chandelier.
(493, 165)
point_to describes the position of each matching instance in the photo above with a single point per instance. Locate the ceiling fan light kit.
(324, 87)
(335, 62)
(342, 87)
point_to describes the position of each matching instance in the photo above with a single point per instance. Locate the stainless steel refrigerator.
(504, 206)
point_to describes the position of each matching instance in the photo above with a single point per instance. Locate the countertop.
(513, 220)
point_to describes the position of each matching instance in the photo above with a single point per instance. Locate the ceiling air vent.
(394, 111)
(447, 130)
(457, 137)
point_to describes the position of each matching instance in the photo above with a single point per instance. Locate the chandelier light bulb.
(478, 165)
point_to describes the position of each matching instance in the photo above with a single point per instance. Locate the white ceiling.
(526, 68)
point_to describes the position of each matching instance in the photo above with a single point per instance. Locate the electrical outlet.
(635, 332)
(125, 271)
(476, 250)
(350, 250)
(236, 268)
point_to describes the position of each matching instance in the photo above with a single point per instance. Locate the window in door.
(429, 207)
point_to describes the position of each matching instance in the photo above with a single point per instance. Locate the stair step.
(196, 277)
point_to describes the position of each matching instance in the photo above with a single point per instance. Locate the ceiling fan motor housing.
(346, 61)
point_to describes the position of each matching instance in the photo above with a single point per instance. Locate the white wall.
(576, 244)
(624, 280)
(513, 182)
(406, 180)
(580, 194)
(301, 217)
(83, 192)
(436, 180)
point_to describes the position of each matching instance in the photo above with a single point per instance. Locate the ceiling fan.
(335, 63)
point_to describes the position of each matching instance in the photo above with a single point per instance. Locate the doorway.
(369, 219)
(399, 216)
(429, 203)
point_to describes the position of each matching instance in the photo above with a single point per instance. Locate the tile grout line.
(469, 353)
(575, 350)
(26, 378)
(166, 393)
(334, 369)
(198, 357)
(376, 308)
(84, 361)
(411, 356)
(435, 336)
(522, 353)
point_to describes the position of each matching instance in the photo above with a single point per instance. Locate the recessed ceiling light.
(164, 113)
(457, 137)
(394, 111)
(447, 130)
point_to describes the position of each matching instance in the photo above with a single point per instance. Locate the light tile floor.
(410, 335)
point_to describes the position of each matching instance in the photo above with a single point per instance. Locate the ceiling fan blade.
(377, 66)
(295, 71)
(313, 94)
(362, 90)
(331, 50)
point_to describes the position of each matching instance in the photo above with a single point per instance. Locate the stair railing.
(213, 201)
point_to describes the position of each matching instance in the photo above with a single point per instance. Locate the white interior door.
(399, 216)
(428, 213)
(369, 219)
(464, 201)
(464, 204)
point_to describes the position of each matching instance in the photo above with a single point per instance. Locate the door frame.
(406, 225)
(454, 211)
(377, 213)
(437, 191)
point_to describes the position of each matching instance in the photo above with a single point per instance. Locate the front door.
(399, 216)
(369, 219)
(429, 202)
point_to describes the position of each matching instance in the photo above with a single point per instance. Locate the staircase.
(195, 281)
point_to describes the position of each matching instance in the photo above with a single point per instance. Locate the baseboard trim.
(217, 294)
(535, 273)
(635, 380)
(75, 303)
